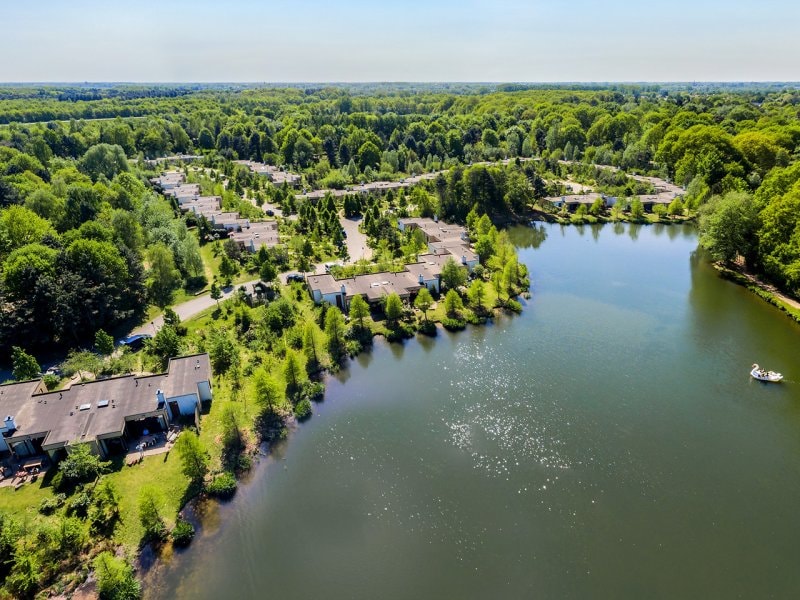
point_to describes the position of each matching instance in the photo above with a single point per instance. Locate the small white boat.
(764, 375)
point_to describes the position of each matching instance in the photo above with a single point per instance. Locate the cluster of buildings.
(108, 414)
(665, 193)
(275, 175)
(250, 236)
(444, 241)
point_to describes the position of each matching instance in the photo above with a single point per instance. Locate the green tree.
(675, 207)
(393, 307)
(519, 191)
(115, 578)
(359, 309)
(163, 278)
(728, 225)
(81, 465)
(424, 301)
(293, 374)
(227, 269)
(189, 259)
(194, 460)
(477, 294)
(149, 515)
(267, 390)
(311, 348)
(222, 350)
(104, 510)
(82, 361)
(485, 247)
(25, 575)
(267, 271)
(165, 344)
(453, 275)
(104, 159)
(104, 343)
(216, 293)
(27, 266)
(20, 227)
(171, 318)
(637, 209)
(453, 304)
(335, 330)
(369, 155)
(23, 365)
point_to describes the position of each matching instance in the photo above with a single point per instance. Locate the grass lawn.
(26, 500)
(210, 262)
(163, 473)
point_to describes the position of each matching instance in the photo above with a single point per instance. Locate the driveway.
(356, 241)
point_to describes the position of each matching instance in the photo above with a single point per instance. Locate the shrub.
(428, 328)
(79, 504)
(58, 481)
(51, 382)
(454, 324)
(513, 306)
(401, 332)
(49, 505)
(115, 579)
(312, 390)
(223, 486)
(244, 462)
(303, 409)
(183, 533)
(474, 319)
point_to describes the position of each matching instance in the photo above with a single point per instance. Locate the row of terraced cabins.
(107, 414)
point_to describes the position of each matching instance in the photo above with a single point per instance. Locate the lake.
(607, 443)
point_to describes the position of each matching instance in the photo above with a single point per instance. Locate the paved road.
(189, 309)
(356, 241)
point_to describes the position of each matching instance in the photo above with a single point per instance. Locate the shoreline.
(766, 291)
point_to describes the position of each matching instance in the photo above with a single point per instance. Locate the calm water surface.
(607, 443)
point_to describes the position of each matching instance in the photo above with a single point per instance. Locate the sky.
(392, 40)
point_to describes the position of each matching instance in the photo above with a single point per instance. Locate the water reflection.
(528, 237)
(397, 348)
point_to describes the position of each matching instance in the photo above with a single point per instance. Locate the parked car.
(270, 212)
(135, 342)
(296, 277)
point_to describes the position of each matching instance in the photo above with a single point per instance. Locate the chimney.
(435, 218)
(160, 400)
(421, 279)
(344, 290)
(10, 423)
(463, 259)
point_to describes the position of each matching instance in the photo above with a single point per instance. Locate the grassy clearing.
(163, 472)
(25, 501)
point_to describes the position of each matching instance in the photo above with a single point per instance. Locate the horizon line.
(406, 82)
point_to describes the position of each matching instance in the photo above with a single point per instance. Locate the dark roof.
(81, 413)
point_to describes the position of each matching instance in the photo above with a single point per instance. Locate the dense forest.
(85, 243)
